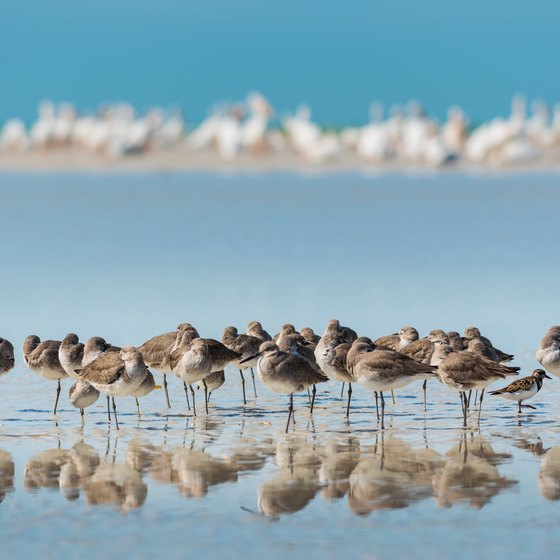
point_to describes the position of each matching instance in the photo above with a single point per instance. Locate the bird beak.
(548, 377)
(250, 358)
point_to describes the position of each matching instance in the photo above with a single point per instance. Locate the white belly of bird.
(520, 395)
(117, 389)
(550, 361)
(51, 374)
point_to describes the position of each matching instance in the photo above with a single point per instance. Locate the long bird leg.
(57, 396)
(137, 407)
(243, 385)
(465, 408)
(475, 397)
(349, 397)
(342, 390)
(392, 396)
(166, 392)
(376, 404)
(187, 395)
(480, 405)
(115, 412)
(254, 385)
(82, 415)
(313, 392)
(309, 397)
(290, 411)
(209, 395)
(519, 407)
(469, 399)
(424, 389)
(108, 409)
(205, 394)
(193, 403)
(382, 411)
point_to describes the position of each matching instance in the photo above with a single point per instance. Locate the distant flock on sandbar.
(288, 363)
(249, 128)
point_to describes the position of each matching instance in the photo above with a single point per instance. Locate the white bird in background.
(374, 139)
(232, 130)
(254, 129)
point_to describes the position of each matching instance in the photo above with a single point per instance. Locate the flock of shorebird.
(291, 362)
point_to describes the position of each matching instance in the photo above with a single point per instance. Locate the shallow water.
(129, 256)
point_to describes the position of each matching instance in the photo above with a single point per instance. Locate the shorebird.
(522, 389)
(94, 347)
(464, 371)
(7, 360)
(116, 374)
(423, 350)
(82, 395)
(474, 333)
(245, 345)
(382, 369)
(296, 344)
(71, 354)
(285, 373)
(254, 328)
(213, 382)
(331, 361)
(191, 362)
(145, 388)
(310, 337)
(456, 341)
(548, 354)
(399, 340)
(42, 358)
(156, 353)
(220, 355)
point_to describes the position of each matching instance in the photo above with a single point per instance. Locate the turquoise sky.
(336, 56)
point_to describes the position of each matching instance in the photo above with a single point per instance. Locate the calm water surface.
(128, 256)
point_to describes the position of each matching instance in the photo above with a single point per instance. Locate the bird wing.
(156, 350)
(104, 370)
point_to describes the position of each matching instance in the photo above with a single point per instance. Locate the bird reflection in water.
(470, 474)
(80, 470)
(392, 475)
(296, 482)
(7, 469)
(548, 478)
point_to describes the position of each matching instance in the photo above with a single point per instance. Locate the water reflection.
(549, 475)
(7, 469)
(393, 475)
(388, 473)
(470, 474)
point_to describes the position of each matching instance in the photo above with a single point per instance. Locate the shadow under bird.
(285, 373)
(522, 389)
(42, 358)
(117, 374)
(7, 360)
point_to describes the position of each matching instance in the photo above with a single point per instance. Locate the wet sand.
(181, 158)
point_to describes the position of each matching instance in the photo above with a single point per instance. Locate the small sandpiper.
(156, 353)
(522, 389)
